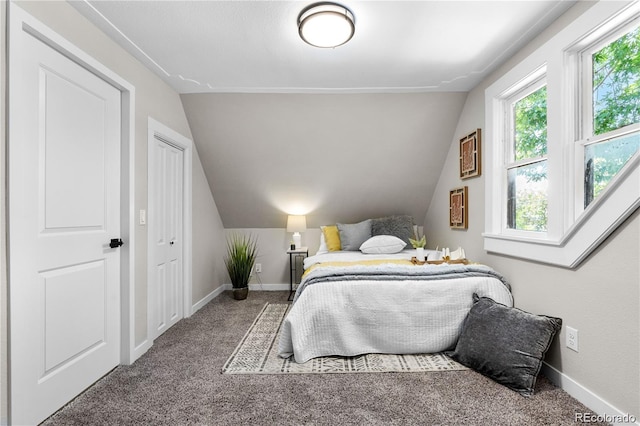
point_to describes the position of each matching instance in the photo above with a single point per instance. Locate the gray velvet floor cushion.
(505, 344)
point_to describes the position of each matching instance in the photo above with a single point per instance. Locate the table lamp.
(296, 224)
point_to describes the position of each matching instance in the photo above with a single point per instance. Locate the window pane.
(527, 193)
(530, 118)
(602, 161)
(616, 84)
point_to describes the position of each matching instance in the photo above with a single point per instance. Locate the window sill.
(595, 224)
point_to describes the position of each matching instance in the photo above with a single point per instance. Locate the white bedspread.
(372, 316)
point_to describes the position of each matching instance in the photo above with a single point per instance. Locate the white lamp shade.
(296, 223)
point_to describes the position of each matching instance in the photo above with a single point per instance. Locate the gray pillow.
(353, 235)
(505, 344)
(398, 226)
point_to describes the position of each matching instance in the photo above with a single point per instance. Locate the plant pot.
(420, 254)
(240, 293)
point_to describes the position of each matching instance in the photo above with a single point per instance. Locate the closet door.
(167, 225)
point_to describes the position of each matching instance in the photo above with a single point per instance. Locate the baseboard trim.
(208, 298)
(140, 350)
(263, 287)
(269, 287)
(601, 407)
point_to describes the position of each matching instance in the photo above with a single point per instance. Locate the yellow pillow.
(332, 237)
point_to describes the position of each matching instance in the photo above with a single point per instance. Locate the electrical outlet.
(572, 338)
(258, 268)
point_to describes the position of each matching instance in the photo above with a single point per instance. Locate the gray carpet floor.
(179, 382)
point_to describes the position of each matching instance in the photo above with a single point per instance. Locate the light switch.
(143, 217)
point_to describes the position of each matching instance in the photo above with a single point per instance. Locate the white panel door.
(64, 198)
(167, 220)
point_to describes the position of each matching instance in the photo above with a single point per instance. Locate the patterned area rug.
(257, 353)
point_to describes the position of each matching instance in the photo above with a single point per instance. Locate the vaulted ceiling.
(337, 158)
(339, 134)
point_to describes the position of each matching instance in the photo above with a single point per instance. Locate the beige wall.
(333, 157)
(272, 247)
(208, 237)
(600, 298)
(153, 98)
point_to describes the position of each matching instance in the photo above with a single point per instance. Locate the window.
(615, 83)
(562, 126)
(613, 95)
(527, 161)
(603, 160)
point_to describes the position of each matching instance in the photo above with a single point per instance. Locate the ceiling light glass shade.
(326, 25)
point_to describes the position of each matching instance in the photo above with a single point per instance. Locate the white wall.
(600, 298)
(154, 98)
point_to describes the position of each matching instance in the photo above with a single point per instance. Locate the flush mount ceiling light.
(326, 25)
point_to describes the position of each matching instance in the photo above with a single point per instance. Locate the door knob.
(115, 243)
(171, 242)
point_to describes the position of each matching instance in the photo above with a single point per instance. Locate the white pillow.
(323, 243)
(382, 244)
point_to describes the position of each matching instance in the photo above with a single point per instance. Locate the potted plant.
(418, 244)
(241, 255)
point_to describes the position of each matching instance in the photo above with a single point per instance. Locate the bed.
(350, 303)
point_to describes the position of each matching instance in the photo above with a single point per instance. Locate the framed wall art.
(458, 209)
(470, 155)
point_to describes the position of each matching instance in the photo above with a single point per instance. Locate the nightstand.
(296, 267)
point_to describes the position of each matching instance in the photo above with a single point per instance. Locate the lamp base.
(297, 240)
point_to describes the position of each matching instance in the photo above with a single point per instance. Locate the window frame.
(586, 77)
(582, 55)
(572, 231)
(530, 85)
